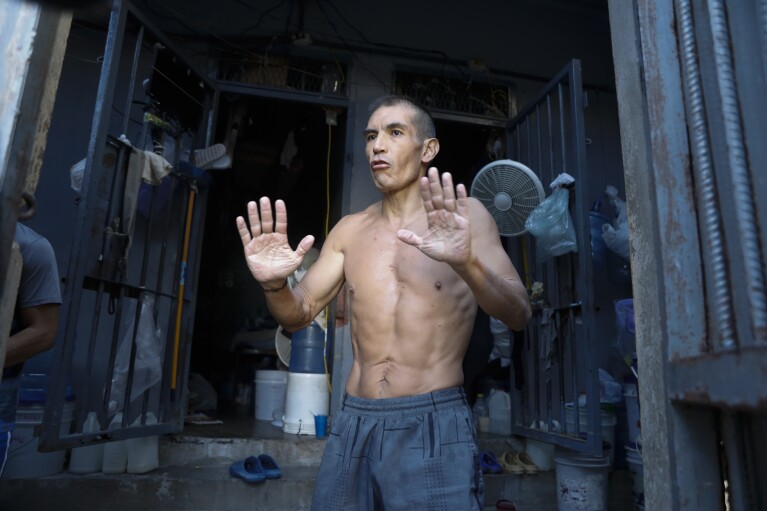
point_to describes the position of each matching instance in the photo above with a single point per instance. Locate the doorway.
(280, 149)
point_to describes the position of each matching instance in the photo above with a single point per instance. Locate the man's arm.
(296, 308)
(491, 275)
(462, 234)
(41, 323)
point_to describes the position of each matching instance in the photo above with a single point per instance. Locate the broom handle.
(181, 284)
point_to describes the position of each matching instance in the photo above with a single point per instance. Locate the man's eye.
(370, 137)
(396, 132)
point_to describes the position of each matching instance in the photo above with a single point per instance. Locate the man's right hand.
(267, 251)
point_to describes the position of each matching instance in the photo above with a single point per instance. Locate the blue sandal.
(249, 470)
(271, 469)
(489, 463)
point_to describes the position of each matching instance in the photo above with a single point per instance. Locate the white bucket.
(581, 482)
(636, 470)
(632, 412)
(271, 387)
(608, 426)
(24, 460)
(307, 396)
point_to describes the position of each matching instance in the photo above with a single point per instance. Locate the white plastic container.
(499, 403)
(115, 452)
(582, 481)
(88, 459)
(24, 460)
(307, 396)
(143, 452)
(271, 389)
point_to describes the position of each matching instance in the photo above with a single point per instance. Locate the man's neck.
(402, 206)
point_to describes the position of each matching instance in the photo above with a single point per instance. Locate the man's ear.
(430, 150)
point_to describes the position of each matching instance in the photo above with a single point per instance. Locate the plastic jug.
(499, 403)
(143, 452)
(115, 458)
(88, 459)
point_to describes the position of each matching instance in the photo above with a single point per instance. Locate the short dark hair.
(424, 124)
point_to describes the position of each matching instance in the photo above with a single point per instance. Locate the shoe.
(510, 463)
(271, 470)
(249, 470)
(505, 505)
(489, 463)
(526, 462)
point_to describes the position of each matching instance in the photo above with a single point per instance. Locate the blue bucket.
(307, 350)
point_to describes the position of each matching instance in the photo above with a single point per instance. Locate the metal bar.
(704, 182)
(730, 380)
(294, 96)
(550, 136)
(529, 144)
(543, 95)
(743, 198)
(50, 437)
(736, 476)
(538, 141)
(165, 385)
(133, 74)
(168, 43)
(562, 139)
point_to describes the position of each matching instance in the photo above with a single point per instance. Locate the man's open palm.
(267, 251)
(448, 234)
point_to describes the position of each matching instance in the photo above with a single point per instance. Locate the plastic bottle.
(481, 414)
(115, 452)
(88, 459)
(143, 452)
(499, 403)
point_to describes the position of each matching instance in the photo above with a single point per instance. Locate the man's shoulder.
(349, 227)
(360, 219)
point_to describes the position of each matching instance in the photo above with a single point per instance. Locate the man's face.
(393, 148)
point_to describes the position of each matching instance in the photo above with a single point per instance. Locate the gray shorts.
(405, 453)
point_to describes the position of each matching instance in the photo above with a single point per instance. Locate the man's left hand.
(448, 234)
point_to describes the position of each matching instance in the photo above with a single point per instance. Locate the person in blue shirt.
(35, 322)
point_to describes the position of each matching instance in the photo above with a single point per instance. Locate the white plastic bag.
(76, 172)
(552, 226)
(501, 341)
(147, 367)
(616, 236)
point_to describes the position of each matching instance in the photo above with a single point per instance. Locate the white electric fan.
(510, 191)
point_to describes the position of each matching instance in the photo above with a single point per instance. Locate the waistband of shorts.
(406, 405)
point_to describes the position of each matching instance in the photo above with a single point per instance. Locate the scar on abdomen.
(438, 285)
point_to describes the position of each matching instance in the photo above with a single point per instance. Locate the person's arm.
(271, 260)
(39, 332)
(462, 234)
(491, 275)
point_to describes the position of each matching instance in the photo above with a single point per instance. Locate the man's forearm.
(287, 306)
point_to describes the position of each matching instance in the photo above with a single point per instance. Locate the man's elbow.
(47, 340)
(520, 320)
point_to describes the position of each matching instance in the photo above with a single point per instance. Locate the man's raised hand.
(265, 243)
(448, 235)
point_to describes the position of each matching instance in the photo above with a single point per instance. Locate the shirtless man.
(416, 264)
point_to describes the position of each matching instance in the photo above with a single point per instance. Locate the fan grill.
(503, 178)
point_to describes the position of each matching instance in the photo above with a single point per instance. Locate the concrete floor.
(193, 476)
